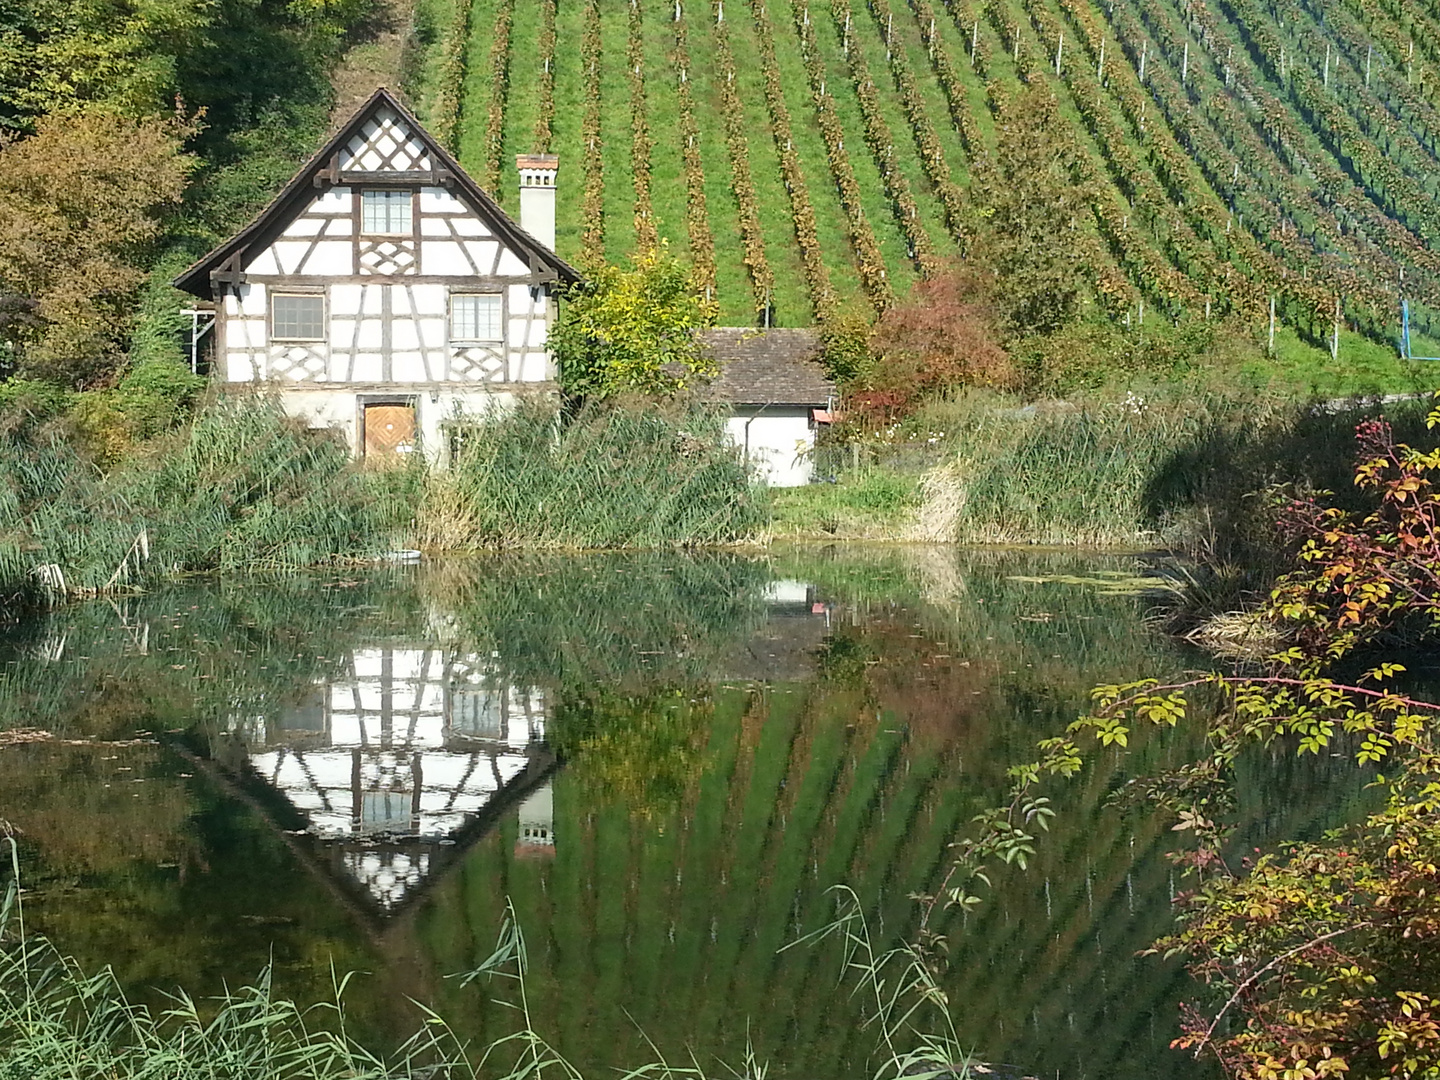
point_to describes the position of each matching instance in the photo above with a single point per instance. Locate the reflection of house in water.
(785, 647)
(537, 823)
(400, 761)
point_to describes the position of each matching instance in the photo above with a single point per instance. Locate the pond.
(662, 762)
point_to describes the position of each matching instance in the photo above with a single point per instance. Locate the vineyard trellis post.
(1059, 48)
(1369, 55)
(974, 41)
(1335, 336)
(1270, 347)
(1100, 67)
(1326, 80)
(1144, 50)
(1185, 65)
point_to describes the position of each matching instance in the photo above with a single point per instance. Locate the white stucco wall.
(776, 441)
(321, 407)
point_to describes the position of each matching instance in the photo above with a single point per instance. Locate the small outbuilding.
(778, 394)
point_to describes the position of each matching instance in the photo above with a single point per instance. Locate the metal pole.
(1335, 341)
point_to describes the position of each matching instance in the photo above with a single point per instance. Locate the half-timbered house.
(383, 292)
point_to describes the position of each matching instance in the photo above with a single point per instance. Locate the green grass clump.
(603, 479)
(241, 487)
(870, 503)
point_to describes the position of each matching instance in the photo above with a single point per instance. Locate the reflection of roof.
(400, 752)
(766, 367)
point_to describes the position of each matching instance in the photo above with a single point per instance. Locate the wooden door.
(389, 430)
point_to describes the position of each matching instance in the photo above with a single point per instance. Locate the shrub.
(943, 336)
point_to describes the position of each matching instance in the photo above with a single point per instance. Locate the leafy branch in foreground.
(1321, 957)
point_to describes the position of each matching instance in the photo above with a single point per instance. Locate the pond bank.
(241, 488)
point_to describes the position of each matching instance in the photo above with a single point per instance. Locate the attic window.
(476, 317)
(297, 317)
(386, 213)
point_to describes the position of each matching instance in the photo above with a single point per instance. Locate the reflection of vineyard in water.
(739, 735)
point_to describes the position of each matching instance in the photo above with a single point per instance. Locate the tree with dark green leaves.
(1033, 208)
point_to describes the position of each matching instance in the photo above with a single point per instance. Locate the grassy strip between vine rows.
(868, 256)
(957, 102)
(817, 277)
(762, 279)
(882, 147)
(927, 141)
(697, 217)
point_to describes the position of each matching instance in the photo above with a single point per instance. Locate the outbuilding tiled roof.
(767, 367)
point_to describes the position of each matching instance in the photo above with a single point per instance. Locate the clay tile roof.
(766, 367)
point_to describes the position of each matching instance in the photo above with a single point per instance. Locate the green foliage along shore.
(244, 488)
(605, 478)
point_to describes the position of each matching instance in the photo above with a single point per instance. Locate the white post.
(1272, 323)
(1369, 54)
(1059, 47)
(1327, 63)
(1100, 67)
(974, 41)
(1144, 49)
(720, 12)
(1335, 340)
(1185, 65)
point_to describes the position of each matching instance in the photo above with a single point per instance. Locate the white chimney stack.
(537, 195)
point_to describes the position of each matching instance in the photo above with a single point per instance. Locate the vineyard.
(811, 157)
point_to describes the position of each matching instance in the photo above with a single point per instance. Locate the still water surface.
(662, 762)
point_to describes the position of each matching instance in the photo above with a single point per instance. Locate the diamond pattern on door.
(389, 430)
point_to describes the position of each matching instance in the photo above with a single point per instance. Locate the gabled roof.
(766, 367)
(324, 170)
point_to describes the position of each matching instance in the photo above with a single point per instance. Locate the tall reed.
(610, 478)
(1182, 470)
(242, 487)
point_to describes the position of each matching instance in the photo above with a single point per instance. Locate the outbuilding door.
(389, 430)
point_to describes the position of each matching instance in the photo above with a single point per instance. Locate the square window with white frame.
(385, 213)
(476, 317)
(297, 317)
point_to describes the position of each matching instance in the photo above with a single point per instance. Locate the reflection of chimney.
(537, 823)
(537, 195)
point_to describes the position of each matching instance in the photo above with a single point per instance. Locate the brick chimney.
(537, 195)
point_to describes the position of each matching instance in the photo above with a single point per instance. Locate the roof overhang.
(225, 265)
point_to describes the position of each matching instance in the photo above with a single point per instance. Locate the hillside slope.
(817, 153)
